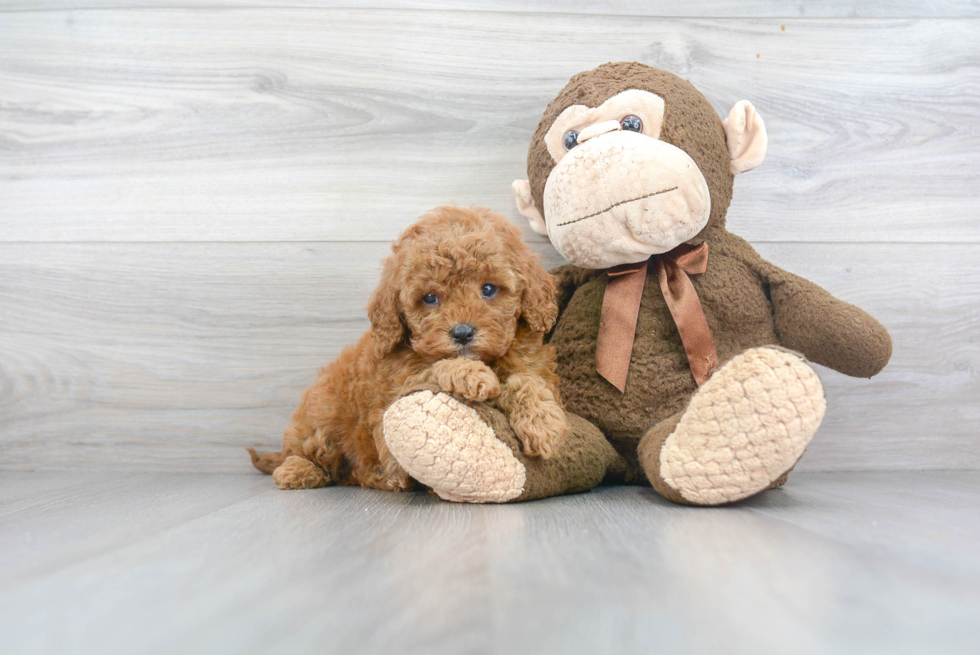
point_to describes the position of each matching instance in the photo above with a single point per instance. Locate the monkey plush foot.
(471, 454)
(445, 445)
(743, 430)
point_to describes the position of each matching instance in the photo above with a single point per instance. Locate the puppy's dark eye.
(631, 123)
(570, 139)
(430, 299)
(488, 291)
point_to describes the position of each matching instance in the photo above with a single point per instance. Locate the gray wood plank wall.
(194, 202)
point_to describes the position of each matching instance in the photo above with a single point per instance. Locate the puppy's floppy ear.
(539, 308)
(387, 328)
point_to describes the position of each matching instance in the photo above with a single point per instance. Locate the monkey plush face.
(630, 161)
(617, 193)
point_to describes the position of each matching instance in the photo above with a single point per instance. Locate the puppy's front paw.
(473, 380)
(541, 428)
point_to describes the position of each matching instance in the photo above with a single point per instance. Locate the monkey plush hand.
(683, 353)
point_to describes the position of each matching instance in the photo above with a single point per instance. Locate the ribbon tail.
(685, 307)
(617, 325)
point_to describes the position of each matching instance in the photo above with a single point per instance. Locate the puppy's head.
(460, 282)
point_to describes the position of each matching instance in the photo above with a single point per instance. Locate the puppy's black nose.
(463, 334)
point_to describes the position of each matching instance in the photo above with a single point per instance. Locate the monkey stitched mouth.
(621, 202)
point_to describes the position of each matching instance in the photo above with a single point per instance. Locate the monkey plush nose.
(463, 334)
(597, 130)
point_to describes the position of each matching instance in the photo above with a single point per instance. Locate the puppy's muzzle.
(463, 333)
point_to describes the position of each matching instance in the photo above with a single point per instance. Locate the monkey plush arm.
(826, 330)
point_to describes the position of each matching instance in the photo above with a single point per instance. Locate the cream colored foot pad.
(744, 428)
(445, 445)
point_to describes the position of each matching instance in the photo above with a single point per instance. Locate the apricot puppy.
(462, 307)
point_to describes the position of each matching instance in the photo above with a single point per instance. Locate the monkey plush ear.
(746, 135)
(525, 205)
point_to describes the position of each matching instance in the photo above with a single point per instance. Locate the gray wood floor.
(872, 562)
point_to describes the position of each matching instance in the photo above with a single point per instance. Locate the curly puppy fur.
(451, 253)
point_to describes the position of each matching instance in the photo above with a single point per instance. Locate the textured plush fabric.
(617, 323)
(444, 444)
(746, 136)
(471, 454)
(751, 421)
(585, 459)
(747, 301)
(747, 426)
(834, 334)
(649, 108)
(734, 296)
(601, 212)
(690, 123)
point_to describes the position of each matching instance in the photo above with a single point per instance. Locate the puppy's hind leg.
(382, 471)
(309, 459)
(391, 475)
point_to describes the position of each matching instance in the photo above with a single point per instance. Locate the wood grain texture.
(193, 201)
(109, 504)
(342, 124)
(176, 356)
(690, 8)
(832, 563)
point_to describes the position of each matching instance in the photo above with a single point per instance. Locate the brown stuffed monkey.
(682, 353)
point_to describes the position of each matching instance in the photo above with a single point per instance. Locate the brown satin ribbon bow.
(621, 306)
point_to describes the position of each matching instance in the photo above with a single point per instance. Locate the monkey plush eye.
(430, 299)
(570, 139)
(488, 291)
(631, 123)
